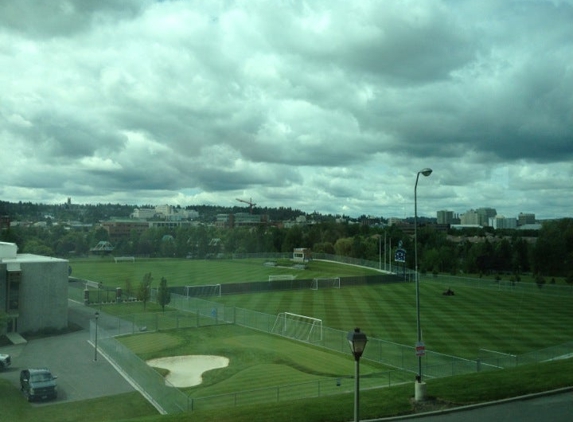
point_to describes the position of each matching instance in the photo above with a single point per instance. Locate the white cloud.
(330, 105)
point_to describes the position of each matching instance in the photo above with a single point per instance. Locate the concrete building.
(143, 213)
(393, 221)
(120, 229)
(501, 222)
(485, 214)
(240, 219)
(478, 217)
(525, 218)
(225, 221)
(470, 218)
(33, 290)
(445, 217)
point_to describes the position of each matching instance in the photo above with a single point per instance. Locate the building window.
(13, 298)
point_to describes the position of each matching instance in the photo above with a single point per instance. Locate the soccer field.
(507, 321)
(189, 272)
(473, 319)
(481, 315)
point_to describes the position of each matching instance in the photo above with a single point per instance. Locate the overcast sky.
(324, 105)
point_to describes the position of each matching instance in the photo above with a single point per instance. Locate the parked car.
(5, 361)
(38, 384)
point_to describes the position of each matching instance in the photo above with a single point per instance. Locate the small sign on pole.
(420, 349)
(400, 255)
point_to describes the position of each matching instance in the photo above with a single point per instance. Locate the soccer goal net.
(298, 327)
(325, 283)
(124, 259)
(281, 277)
(203, 290)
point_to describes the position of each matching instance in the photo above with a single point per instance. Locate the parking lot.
(71, 358)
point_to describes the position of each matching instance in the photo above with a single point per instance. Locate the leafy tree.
(163, 295)
(553, 250)
(358, 249)
(503, 255)
(167, 247)
(144, 291)
(520, 256)
(71, 242)
(293, 239)
(431, 261)
(128, 287)
(37, 247)
(323, 247)
(100, 234)
(343, 246)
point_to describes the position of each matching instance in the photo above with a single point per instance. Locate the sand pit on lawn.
(187, 371)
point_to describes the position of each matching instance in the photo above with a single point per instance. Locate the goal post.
(278, 277)
(298, 327)
(203, 290)
(123, 259)
(325, 283)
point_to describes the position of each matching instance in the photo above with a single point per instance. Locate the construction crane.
(250, 202)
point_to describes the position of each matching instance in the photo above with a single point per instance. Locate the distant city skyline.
(441, 216)
(328, 106)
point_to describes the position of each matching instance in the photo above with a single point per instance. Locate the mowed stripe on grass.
(459, 325)
(507, 321)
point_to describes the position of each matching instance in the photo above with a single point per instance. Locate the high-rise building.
(485, 214)
(470, 218)
(500, 222)
(445, 217)
(525, 218)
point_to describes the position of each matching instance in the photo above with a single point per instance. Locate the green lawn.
(189, 272)
(511, 322)
(257, 360)
(458, 325)
(461, 390)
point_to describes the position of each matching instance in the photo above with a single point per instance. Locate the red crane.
(250, 202)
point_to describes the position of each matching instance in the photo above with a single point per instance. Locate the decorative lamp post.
(95, 349)
(357, 341)
(420, 393)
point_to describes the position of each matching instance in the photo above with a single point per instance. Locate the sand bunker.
(187, 371)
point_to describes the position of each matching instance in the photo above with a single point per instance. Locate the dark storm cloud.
(60, 18)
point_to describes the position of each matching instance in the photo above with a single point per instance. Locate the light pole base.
(419, 391)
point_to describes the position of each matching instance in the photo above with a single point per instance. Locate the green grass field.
(257, 360)
(505, 321)
(460, 325)
(457, 325)
(496, 319)
(189, 272)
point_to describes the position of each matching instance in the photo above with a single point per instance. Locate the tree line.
(547, 252)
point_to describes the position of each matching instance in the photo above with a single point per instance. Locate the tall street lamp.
(357, 341)
(420, 387)
(95, 343)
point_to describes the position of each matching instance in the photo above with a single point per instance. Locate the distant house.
(301, 255)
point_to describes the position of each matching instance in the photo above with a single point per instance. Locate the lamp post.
(95, 343)
(357, 341)
(420, 392)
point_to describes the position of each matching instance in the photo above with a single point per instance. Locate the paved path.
(71, 358)
(555, 407)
